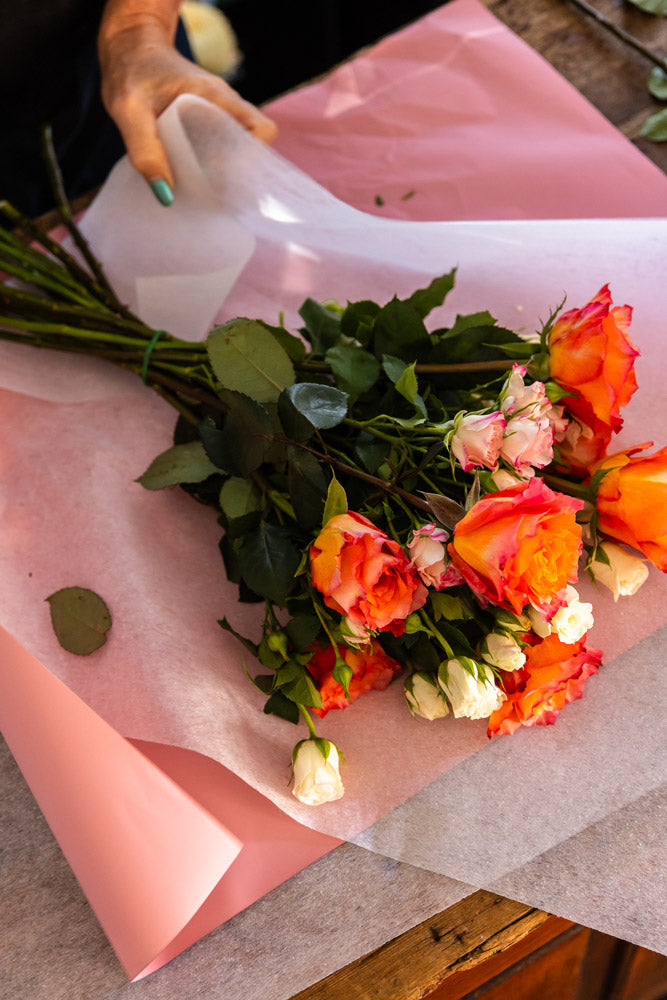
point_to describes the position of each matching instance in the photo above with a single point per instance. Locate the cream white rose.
(425, 697)
(624, 574)
(472, 697)
(570, 623)
(573, 620)
(502, 651)
(316, 772)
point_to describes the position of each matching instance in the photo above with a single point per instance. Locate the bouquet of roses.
(401, 500)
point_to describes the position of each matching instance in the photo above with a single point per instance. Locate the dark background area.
(285, 44)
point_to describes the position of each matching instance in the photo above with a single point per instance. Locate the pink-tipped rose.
(476, 440)
(519, 547)
(365, 575)
(429, 557)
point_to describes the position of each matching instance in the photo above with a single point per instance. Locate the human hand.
(142, 74)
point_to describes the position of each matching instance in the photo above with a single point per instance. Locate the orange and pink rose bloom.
(632, 501)
(365, 575)
(554, 675)
(592, 357)
(519, 546)
(372, 670)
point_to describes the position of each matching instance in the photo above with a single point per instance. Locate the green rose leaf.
(281, 706)
(322, 325)
(657, 83)
(268, 560)
(468, 320)
(371, 452)
(239, 497)
(478, 343)
(307, 486)
(355, 369)
(295, 683)
(655, 126)
(322, 405)
(405, 381)
(80, 619)
(293, 346)
(398, 326)
(336, 502)
(247, 358)
(183, 463)
(241, 445)
(426, 299)
(358, 320)
(302, 630)
(450, 607)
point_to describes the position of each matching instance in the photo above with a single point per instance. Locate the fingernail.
(162, 192)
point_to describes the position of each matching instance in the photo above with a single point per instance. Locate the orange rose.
(519, 547)
(365, 575)
(632, 501)
(372, 670)
(554, 675)
(591, 356)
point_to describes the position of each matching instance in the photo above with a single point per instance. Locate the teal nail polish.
(162, 192)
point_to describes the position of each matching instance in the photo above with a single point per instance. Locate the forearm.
(154, 17)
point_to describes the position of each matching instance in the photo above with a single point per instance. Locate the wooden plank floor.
(607, 71)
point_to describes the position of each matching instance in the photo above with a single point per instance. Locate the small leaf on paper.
(657, 83)
(247, 358)
(184, 463)
(655, 126)
(80, 619)
(658, 7)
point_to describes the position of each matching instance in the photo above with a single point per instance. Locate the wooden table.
(488, 946)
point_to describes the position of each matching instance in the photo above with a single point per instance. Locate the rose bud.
(502, 651)
(424, 697)
(623, 574)
(316, 772)
(474, 697)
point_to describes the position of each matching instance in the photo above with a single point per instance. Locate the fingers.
(217, 92)
(137, 126)
(135, 111)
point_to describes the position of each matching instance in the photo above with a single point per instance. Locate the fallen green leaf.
(655, 127)
(658, 7)
(657, 83)
(80, 619)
